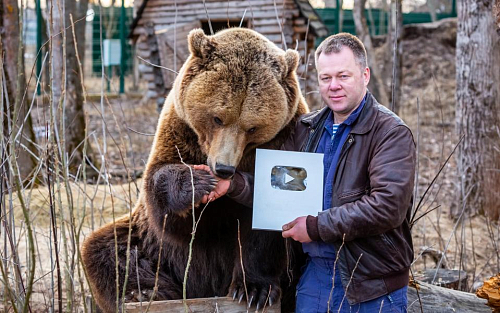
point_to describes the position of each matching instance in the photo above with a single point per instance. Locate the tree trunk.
(478, 102)
(67, 86)
(75, 114)
(496, 13)
(341, 15)
(339, 19)
(395, 50)
(376, 83)
(432, 7)
(15, 110)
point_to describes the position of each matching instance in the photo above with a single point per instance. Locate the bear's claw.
(259, 295)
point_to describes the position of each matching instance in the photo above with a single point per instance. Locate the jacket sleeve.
(391, 173)
(241, 188)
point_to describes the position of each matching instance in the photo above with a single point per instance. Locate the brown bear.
(237, 91)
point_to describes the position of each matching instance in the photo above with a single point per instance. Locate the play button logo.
(288, 178)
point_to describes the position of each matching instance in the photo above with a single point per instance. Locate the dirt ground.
(428, 79)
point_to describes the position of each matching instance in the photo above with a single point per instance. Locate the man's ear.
(292, 58)
(200, 45)
(366, 76)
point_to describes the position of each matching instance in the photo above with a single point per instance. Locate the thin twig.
(350, 279)
(140, 133)
(156, 65)
(155, 288)
(333, 276)
(434, 179)
(208, 17)
(241, 262)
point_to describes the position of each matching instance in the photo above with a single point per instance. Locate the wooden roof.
(317, 27)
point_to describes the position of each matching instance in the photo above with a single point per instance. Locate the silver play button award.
(287, 185)
(288, 178)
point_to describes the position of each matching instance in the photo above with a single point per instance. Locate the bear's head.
(237, 90)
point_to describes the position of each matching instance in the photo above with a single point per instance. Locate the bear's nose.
(224, 171)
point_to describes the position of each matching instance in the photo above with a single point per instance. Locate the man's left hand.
(297, 230)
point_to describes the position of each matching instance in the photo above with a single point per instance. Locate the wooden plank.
(168, 18)
(230, 12)
(442, 300)
(203, 305)
(273, 30)
(168, 21)
(218, 3)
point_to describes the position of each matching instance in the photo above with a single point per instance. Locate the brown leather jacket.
(372, 199)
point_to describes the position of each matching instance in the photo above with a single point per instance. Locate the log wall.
(154, 33)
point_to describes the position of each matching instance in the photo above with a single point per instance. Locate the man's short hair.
(335, 43)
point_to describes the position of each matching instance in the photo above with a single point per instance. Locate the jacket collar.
(364, 122)
(367, 116)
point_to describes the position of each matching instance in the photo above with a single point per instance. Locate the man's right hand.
(220, 189)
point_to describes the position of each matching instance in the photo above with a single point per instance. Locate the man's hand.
(220, 189)
(297, 230)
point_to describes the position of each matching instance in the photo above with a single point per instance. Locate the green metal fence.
(376, 19)
(113, 18)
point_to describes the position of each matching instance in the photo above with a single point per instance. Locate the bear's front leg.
(169, 189)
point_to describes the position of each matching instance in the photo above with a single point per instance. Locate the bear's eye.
(218, 121)
(252, 130)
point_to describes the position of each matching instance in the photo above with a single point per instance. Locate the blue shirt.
(330, 145)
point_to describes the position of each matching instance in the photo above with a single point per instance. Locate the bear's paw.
(172, 188)
(261, 293)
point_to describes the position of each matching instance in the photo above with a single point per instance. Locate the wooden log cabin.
(160, 28)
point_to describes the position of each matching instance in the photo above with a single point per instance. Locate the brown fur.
(245, 81)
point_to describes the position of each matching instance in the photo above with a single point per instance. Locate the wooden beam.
(442, 300)
(221, 305)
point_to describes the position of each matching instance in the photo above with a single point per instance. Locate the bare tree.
(432, 6)
(17, 126)
(67, 86)
(376, 83)
(496, 13)
(395, 50)
(340, 17)
(478, 103)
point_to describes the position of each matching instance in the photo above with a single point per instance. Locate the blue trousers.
(318, 292)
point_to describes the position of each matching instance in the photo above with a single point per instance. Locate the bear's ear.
(200, 45)
(292, 58)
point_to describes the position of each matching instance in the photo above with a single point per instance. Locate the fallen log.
(202, 305)
(451, 279)
(442, 300)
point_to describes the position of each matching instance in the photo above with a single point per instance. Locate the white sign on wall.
(112, 51)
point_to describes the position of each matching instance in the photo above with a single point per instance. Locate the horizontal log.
(168, 21)
(230, 13)
(442, 300)
(186, 4)
(203, 305)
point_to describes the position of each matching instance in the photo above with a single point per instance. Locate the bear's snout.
(224, 171)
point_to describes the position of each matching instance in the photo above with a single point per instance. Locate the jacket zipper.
(309, 140)
(349, 141)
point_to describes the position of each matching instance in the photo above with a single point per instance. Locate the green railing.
(115, 34)
(376, 19)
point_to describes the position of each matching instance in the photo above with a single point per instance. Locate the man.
(359, 248)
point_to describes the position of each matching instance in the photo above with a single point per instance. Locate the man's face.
(342, 82)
